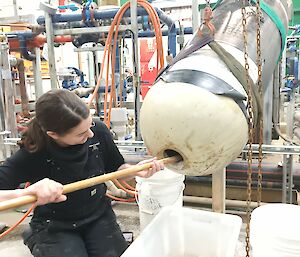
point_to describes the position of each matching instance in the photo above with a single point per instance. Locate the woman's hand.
(46, 191)
(155, 167)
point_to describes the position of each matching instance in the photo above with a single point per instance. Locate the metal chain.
(260, 88)
(250, 128)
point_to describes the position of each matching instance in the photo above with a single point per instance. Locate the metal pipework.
(23, 40)
(7, 98)
(110, 14)
(98, 15)
(197, 107)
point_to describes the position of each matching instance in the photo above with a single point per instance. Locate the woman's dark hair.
(57, 110)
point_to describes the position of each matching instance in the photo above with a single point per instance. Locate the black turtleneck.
(97, 156)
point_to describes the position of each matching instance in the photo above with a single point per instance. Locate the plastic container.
(275, 230)
(164, 188)
(119, 116)
(119, 119)
(185, 232)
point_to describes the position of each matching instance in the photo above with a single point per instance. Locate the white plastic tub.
(185, 232)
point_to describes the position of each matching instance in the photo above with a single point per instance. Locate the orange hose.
(127, 185)
(107, 45)
(128, 191)
(156, 23)
(120, 199)
(18, 223)
(113, 89)
(27, 184)
(158, 35)
(108, 55)
(106, 89)
(153, 18)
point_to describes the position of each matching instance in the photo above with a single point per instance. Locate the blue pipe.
(98, 15)
(186, 31)
(117, 66)
(172, 30)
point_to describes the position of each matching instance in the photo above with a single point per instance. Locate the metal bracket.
(48, 8)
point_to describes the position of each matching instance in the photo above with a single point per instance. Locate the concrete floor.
(128, 218)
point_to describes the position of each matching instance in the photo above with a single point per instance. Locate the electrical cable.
(127, 185)
(107, 54)
(128, 191)
(21, 220)
(18, 223)
(120, 199)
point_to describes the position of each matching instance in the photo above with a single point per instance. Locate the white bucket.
(119, 119)
(119, 116)
(164, 188)
(274, 230)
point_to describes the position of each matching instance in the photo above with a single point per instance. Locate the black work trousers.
(99, 238)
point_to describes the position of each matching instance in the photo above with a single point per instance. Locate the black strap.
(238, 71)
(207, 81)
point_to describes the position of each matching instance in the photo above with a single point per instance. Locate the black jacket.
(97, 156)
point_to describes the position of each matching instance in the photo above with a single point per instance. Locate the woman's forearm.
(10, 194)
(45, 190)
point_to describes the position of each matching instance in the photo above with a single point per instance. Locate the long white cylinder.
(200, 112)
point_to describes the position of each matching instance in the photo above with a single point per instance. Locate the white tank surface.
(207, 130)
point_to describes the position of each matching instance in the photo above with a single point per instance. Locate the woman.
(63, 143)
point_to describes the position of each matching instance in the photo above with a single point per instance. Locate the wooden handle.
(16, 202)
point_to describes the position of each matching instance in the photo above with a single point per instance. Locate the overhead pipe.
(98, 15)
(32, 39)
(71, 17)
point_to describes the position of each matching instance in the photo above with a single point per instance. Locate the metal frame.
(267, 149)
(50, 33)
(136, 69)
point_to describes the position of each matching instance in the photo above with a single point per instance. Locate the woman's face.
(76, 136)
